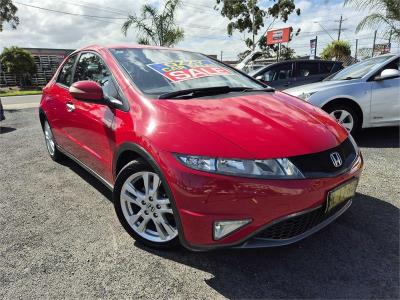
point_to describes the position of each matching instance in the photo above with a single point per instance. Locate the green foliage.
(19, 62)
(8, 13)
(385, 13)
(240, 14)
(287, 52)
(157, 28)
(337, 49)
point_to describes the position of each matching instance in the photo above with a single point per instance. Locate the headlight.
(269, 168)
(306, 96)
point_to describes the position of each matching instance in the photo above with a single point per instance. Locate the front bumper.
(203, 198)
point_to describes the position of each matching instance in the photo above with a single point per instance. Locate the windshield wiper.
(266, 89)
(199, 92)
(209, 91)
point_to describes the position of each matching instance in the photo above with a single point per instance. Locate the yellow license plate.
(342, 193)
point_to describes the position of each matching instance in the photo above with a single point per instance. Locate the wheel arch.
(347, 101)
(132, 150)
(42, 117)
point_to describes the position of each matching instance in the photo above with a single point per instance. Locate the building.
(47, 62)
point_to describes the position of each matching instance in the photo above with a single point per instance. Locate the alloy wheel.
(344, 118)
(51, 146)
(147, 208)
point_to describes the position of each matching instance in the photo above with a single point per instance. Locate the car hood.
(319, 86)
(257, 125)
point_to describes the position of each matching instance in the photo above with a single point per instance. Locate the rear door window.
(306, 69)
(65, 75)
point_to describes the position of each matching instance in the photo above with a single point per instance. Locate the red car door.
(91, 123)
(58, 101)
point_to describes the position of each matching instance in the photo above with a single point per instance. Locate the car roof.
(97, 47)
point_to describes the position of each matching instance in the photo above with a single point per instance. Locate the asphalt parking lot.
(60, 237)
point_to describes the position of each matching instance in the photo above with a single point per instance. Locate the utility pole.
(355, 55)
(373, 46)
(252, 23)
(340, 27)
(221, 55)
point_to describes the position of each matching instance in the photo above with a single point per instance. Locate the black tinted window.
(65, 76)
(280, 72)
(393, 65)
(306, 69)
(325, 67)
(91, 67)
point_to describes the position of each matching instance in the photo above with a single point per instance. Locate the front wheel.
(346, 116)
(143, 206)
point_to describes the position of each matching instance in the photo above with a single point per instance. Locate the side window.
(91, 67)
(280, 72)
(306, 69)
(65, 76)
(393, 65)
(325, 67)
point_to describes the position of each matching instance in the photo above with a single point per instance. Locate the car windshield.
(360, 69)
(156, 72)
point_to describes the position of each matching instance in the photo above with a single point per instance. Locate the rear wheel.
(51, 144)
(346, 116)
(143, 206)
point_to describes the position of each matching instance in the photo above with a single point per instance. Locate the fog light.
(223, 228)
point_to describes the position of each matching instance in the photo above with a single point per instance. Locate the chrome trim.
(256, 242)
(105, 182)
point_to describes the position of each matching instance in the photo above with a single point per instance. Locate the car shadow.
(89, 178)
(355, 257)
(4, 129)
(381, 137)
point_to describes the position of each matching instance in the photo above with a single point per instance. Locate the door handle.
(70, 107)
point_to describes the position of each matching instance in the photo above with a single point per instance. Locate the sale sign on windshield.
(188, 69)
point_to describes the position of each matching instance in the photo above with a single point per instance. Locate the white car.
(366, 94)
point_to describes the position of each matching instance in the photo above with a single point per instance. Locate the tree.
(157, 28)
(8, 13)
(340, 50)
(19, 62)
(385, 13)
(248, 16)
(287, 52)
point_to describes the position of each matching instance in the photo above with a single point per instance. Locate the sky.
(205, 28)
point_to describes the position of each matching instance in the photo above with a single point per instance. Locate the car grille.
(298, 224)
(318, 165)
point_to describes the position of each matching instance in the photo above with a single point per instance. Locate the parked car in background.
(366, 94)
(2, 117)
(292, 73)
(197, 152)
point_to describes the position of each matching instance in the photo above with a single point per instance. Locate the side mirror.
(86, 90)
(388, 74)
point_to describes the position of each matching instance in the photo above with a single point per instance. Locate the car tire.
(145, 213)
(346, 116)
(51, 144)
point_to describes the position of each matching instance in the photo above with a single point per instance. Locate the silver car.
(366, 94)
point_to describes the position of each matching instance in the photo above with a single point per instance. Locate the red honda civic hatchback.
(197, 152)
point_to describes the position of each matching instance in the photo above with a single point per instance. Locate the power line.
(69, 13)
(112, 11)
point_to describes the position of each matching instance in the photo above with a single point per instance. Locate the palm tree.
(385, 12)
(340, 50)
(157, 28)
